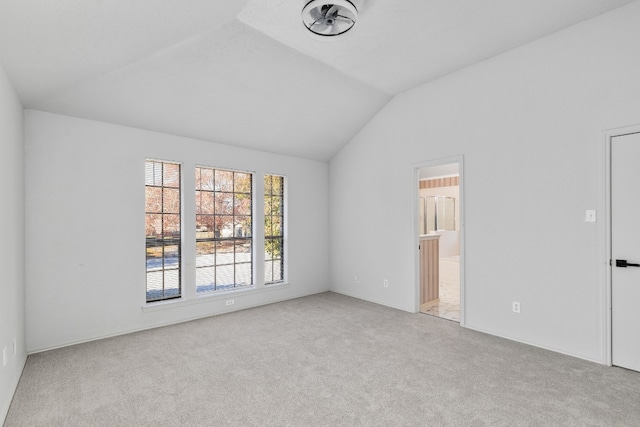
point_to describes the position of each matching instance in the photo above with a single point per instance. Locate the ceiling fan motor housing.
(329, 18)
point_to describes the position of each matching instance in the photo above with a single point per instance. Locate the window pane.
(204, 178)
(274, 228)
(226, 262)
(171, 200)
(276, 205)
(171, 175)
(243, 274)
(171, 258)
(205, 202)
(268, 271)
(154, 285)
(242, 204)
(242, 226)
(268, 253)
(205, 279)
(198, 179)
(153, 173)
(224, 226)
(171, 226)
(268, 189)
(224, 253)
(277, 271)
(198, 201)
(154, 257)
(243, 251)
(272, 205)
(153, 199)
(223, 181)
(204, 226)
(171, 283)
(267, 205)
(205, 254)
(162, 230)
(224, 276)
(153, 225)
(224, 203)
(278, 185)
(242, 183)
(273, 249)
(267, 226)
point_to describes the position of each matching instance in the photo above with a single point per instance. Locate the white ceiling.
(245, 72)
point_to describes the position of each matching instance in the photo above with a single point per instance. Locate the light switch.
(590, 216)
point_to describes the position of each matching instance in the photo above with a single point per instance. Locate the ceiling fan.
(329, 18)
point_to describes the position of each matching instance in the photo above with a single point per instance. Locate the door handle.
(623, 263)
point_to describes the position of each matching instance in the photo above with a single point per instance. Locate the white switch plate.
(590, 216)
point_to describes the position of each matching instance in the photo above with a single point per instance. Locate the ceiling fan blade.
(339, 27)
(332, 12)
(316, 22)
(320, 27)
(316, 14)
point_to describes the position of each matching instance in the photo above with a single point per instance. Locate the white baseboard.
(169, 323)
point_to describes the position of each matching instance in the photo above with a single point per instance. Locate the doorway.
(624, 203)
(439, 226)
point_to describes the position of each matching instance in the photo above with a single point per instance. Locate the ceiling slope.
(235, 86)
(246, 72)
(398, 45)
(47, 46)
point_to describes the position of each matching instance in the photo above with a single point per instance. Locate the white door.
(625, 251)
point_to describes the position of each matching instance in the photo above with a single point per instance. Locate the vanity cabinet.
(429, 268)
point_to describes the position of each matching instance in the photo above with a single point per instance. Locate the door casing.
(416, 230)
(607, 321)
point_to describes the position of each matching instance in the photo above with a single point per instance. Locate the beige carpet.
(324, 360)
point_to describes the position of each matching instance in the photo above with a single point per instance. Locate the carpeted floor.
(323, 360)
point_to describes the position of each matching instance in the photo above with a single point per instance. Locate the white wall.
(535, 115)
(12, 248)
(85, 227)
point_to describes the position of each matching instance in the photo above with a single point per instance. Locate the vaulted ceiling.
(245, 72)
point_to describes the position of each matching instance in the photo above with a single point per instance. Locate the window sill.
(210, 297)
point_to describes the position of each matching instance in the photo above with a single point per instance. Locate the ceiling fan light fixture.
(329, 18)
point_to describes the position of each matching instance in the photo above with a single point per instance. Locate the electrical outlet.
(230, 302)
(385, 283)
(356, 280)
(4, 356)
(590, 216)
(515, 306)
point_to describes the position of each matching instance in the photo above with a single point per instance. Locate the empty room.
(319, 213)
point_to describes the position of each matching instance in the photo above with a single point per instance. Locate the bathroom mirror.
(439, 214)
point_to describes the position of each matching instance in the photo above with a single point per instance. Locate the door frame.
(416, 229)
(608, 135)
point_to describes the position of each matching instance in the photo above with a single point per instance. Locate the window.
(224, 258)
(273, 229)
(163, 234)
